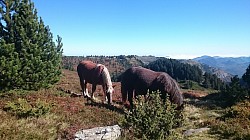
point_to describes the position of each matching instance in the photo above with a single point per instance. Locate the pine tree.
(246, 76)
(206, 83)
(235, 92)
(29, 58)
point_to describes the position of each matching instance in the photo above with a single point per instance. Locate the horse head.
(107, 83)
(109, 92)
(170, 86)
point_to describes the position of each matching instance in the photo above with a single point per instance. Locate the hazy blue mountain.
(223, 75)
(232, 65)
(224, 67)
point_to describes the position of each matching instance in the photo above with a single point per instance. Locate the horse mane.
(106, 77)
(171, 87)
(99, 69)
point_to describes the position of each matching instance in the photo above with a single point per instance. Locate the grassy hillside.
(61, 115)
(66, 114)
(115, 64)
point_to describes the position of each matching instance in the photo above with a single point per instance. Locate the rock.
(73, 94)
(99, 133)
(194, 131)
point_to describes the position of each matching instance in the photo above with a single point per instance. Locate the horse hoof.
(92, 98)
(85, 96)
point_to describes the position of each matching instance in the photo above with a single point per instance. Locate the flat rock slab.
(99, 133)
(195, 131)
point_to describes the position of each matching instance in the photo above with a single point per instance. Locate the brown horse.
(95, 74)
(138, 80)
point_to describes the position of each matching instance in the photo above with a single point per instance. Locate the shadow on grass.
(211, 101)
(117, 107)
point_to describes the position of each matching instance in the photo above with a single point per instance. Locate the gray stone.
(99, 133)
(194, 131)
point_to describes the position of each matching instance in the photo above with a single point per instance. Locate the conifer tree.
(29, 58)
(246, 76)
(235, 92)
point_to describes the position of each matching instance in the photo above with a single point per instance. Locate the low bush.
(23, 109)
(235, 123)
(152, 118)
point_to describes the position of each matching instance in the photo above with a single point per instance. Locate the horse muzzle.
(109, 97)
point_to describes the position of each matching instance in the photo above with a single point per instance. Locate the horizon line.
(170, 56)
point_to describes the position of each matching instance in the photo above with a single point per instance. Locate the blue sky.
(174, 28)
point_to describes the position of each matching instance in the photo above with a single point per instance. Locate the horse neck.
(106, 77)
(176, 94)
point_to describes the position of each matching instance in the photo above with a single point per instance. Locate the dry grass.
(67, 115)
(70, 114)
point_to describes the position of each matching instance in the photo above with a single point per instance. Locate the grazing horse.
(95, 74)
(138, 80)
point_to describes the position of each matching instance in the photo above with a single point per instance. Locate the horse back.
(88, 71)
(139, 78)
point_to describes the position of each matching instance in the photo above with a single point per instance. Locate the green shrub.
(235, 123)
(14, 93)
(151, 118)
(235, 92)
(23, 109)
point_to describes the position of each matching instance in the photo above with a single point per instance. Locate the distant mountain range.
(232, 65)
(224, 67)
(223, 75)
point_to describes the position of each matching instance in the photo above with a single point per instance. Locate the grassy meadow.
(55, 114)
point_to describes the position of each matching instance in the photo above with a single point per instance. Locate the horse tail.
(125, 84)
(124, 92)
(79, 70)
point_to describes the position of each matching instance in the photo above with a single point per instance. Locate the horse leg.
(85, 91)
(142, 92)
(83, 84)
(104, 91)
(93, 90)
(130, 98)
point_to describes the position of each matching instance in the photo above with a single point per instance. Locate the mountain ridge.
(232, 65)
(223, 75)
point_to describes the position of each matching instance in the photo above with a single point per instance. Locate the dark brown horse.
(138, 80)
(95, 74)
